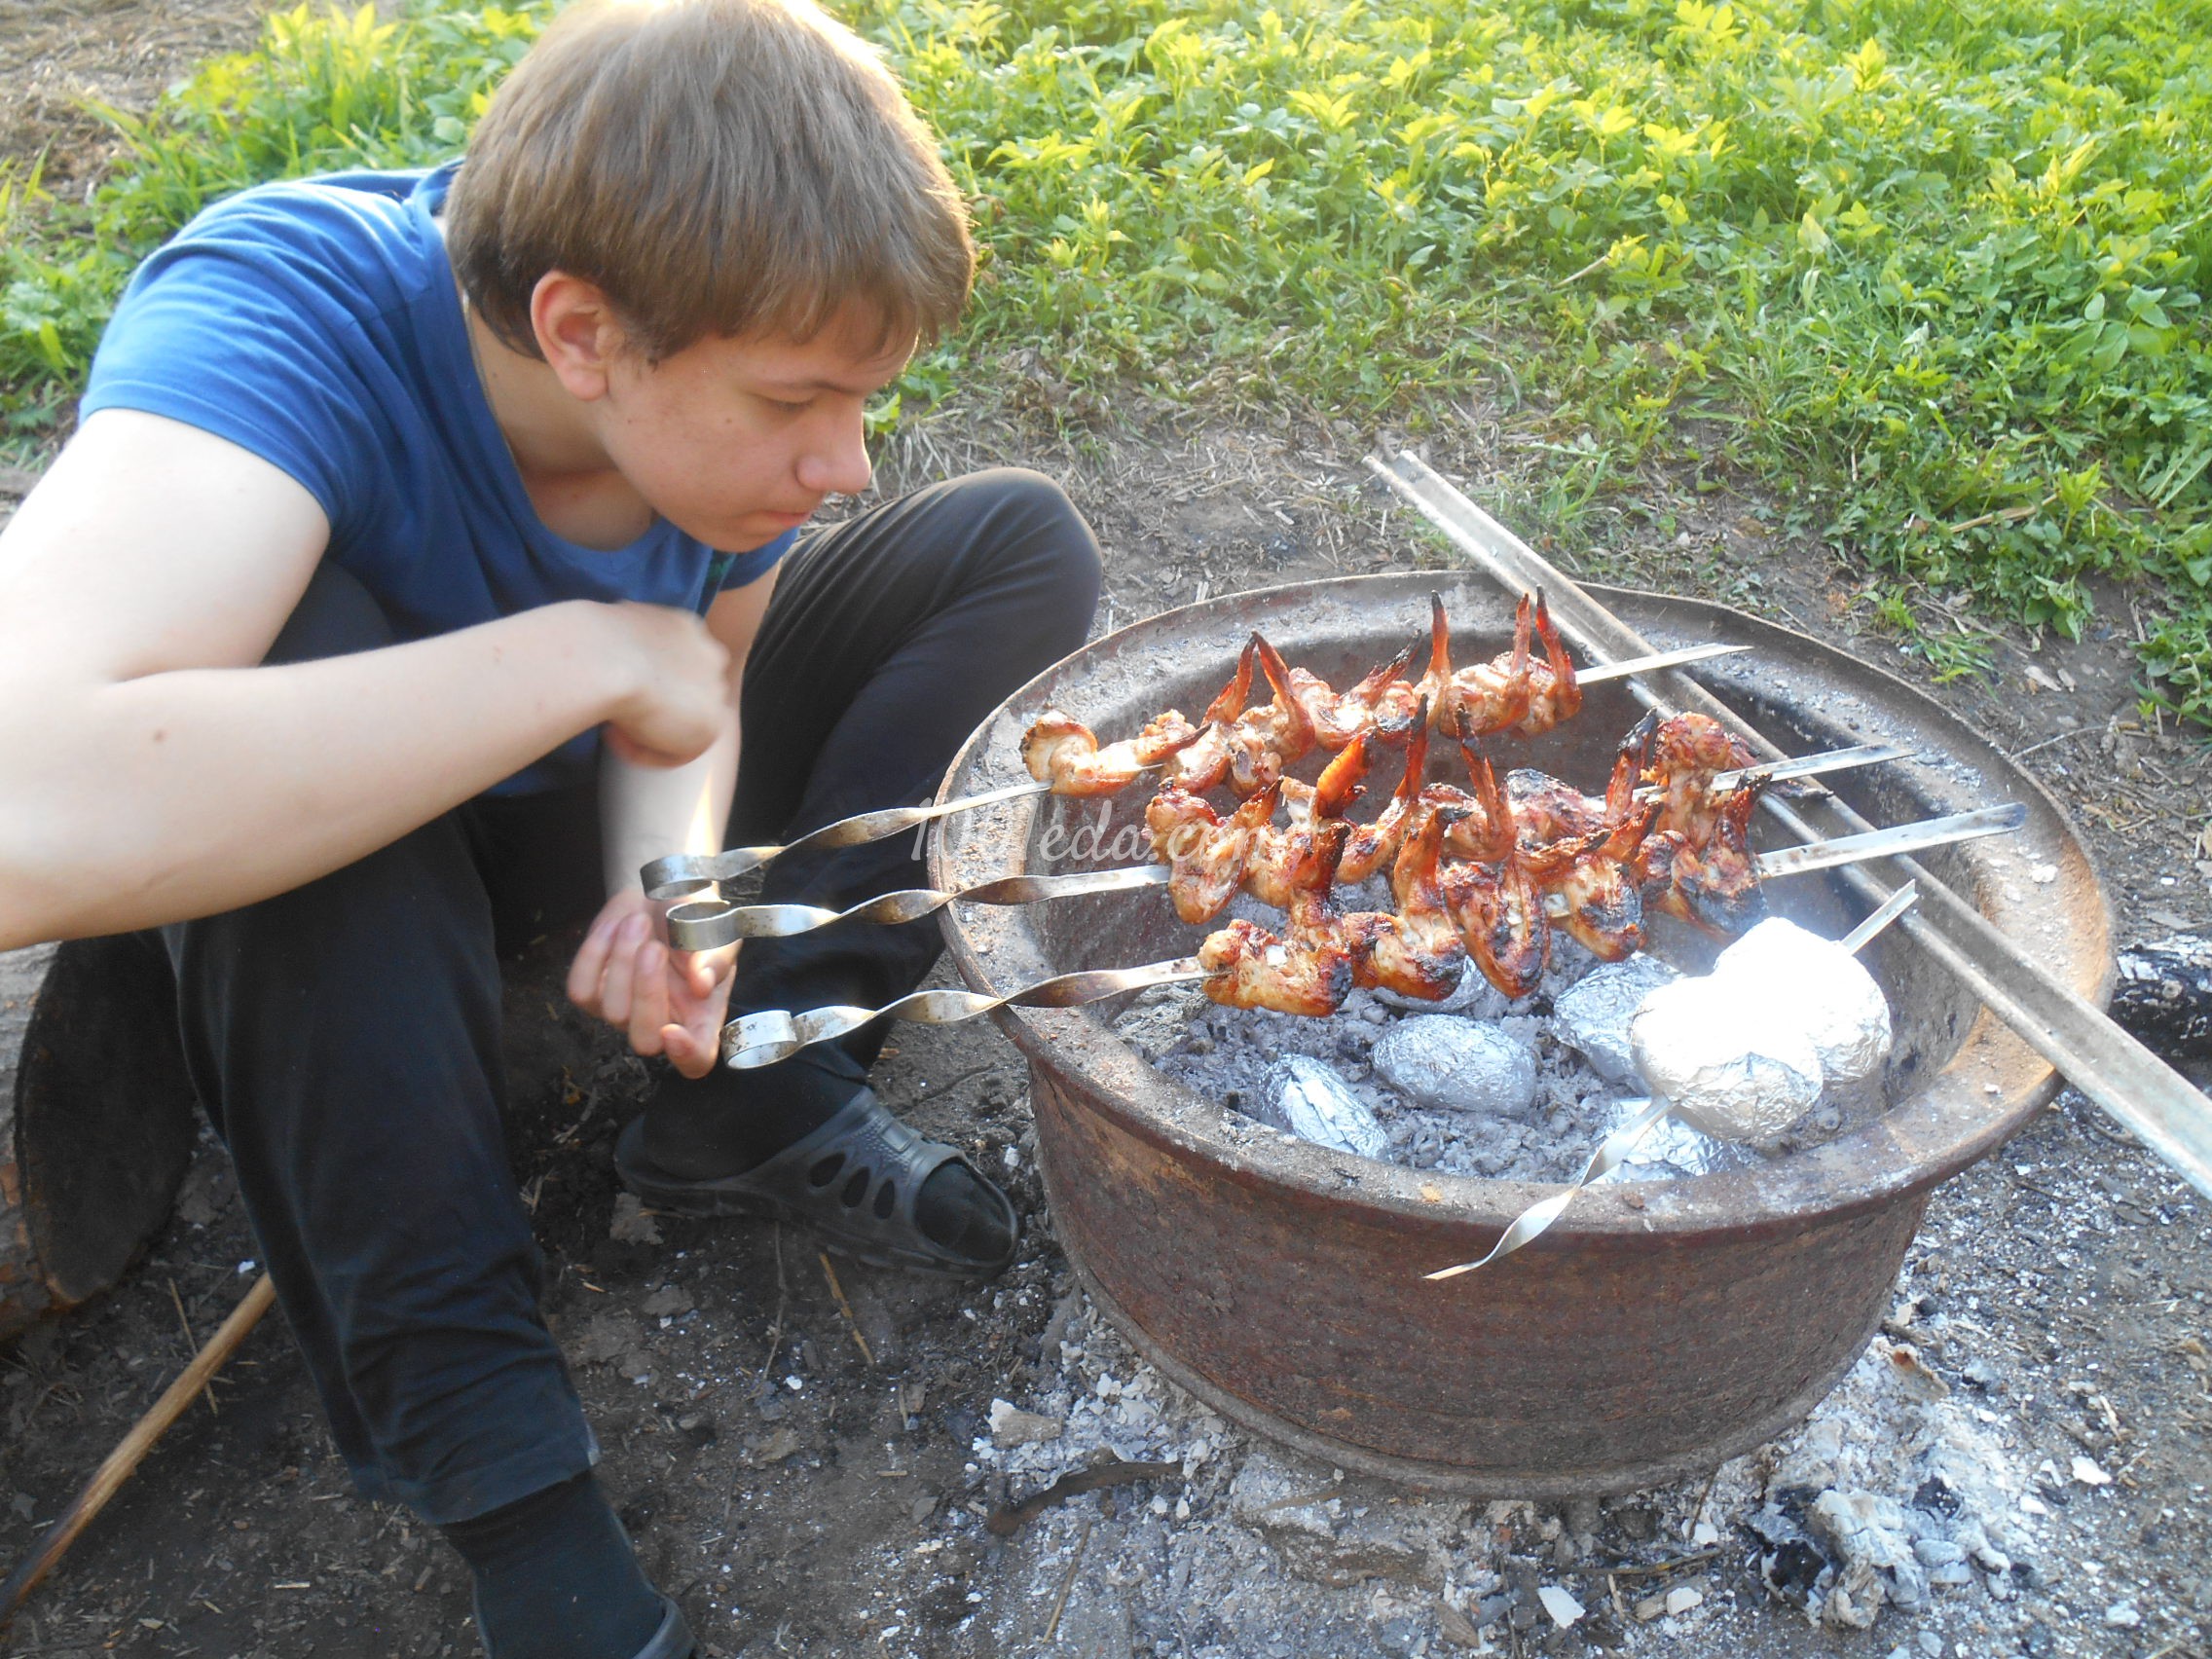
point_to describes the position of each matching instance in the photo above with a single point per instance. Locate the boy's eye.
(783, 407)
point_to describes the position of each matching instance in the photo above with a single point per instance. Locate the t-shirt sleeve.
(226, 331)
(729, 571)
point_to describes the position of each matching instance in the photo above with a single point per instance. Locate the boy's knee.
(1048, 540)
(335, 616)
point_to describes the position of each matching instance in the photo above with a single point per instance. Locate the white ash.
(1231, 1056)
(1898, 1504)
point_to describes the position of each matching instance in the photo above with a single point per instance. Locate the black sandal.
(854, 1180)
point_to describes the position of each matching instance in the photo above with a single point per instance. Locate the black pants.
(345, 1037)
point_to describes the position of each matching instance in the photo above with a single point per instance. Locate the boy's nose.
(838, 465)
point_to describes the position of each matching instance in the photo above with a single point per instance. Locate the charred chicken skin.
(1059, 750)
(1592, 885)
(1496, 903)
(1716, 887)
(1416, 952)
(1546, 809)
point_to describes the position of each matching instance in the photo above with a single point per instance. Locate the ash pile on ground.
(1915, 1515)
(1475, 1085)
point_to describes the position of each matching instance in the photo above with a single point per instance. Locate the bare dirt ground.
(802, 1447)
(59, 58)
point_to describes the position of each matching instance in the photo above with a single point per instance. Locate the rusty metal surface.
(1659, 1326)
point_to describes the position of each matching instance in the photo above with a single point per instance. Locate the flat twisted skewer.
(706, 925)
(763, 1038)
(685, 875)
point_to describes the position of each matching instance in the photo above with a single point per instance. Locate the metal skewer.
(763, 1038)
(1887, 843)
(705, 925)
(1807, 765)
(2136, 1089)
(684, 875)
(1615, 1148)
(1651, 664)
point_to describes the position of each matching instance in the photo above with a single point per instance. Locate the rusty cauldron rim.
(1982, 1095)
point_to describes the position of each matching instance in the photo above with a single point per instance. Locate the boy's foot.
(872, 1187)
(556, 1579)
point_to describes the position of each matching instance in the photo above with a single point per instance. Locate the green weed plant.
(1932, 269)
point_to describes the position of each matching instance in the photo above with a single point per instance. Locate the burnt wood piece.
(101, 1120)
(2164, 995)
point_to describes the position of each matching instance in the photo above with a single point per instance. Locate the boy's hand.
(671, 1002)
(680, 698)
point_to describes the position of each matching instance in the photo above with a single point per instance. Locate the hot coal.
(1547, 1108)
(1472, 1086)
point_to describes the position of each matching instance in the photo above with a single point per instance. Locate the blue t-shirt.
(316, 324)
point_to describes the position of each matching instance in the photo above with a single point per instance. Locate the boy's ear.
(578, 334)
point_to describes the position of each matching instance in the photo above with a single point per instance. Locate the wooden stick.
(128, 1456)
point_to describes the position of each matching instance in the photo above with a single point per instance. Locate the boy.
(397, 497)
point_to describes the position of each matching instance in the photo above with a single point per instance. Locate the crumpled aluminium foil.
(1671, 1148)
(1593, 1016)
(1310, 1101)
(1730, 1059)
(1827, 990)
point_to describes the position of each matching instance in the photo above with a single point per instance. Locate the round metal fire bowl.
(1659, 1327)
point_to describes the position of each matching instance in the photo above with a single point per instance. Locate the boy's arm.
(647, 813)
(671, 1002)
(150, 772)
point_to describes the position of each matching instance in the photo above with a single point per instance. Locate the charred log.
(2164, 995)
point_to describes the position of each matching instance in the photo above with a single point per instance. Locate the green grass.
(1933, 268)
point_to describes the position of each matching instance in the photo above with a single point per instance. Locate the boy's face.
(735, 441)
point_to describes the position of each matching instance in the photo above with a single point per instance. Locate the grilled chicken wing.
(1419, 953)
(1372, 846)
(1553, 694)
(1591, 885)
(1716, 887)
(1382, 704)
(1682, 755)
(1308, 971)
(1059, 750)
(1205, 853)
(1491, 696)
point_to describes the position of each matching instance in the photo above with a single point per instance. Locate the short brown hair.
(716, 166)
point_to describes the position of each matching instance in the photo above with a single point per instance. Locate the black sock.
(958, 1211)
(727, 1123)
(556, 1578)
